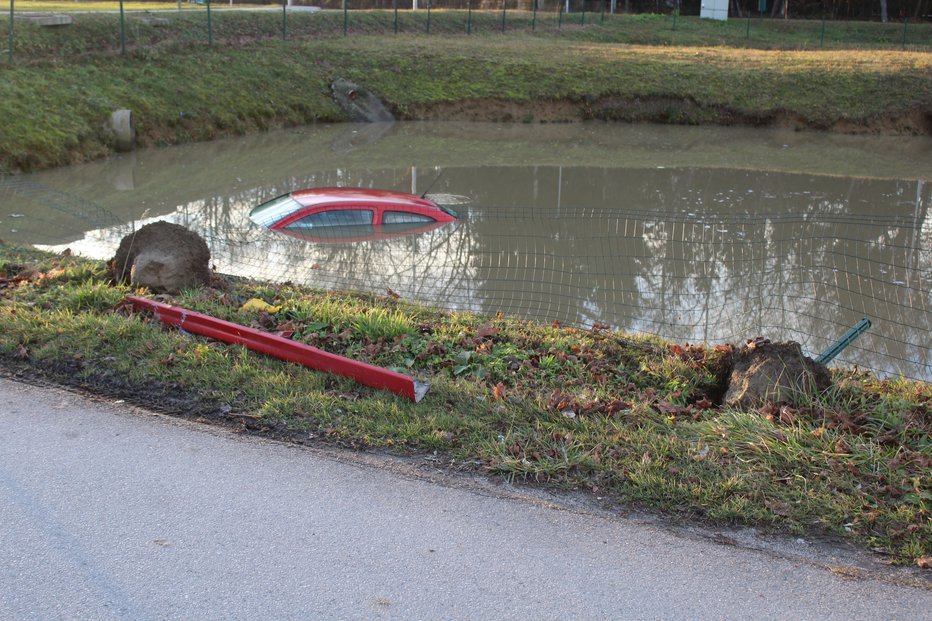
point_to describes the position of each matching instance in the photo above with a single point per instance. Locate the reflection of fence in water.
(36, 209)
(679, 278)
(691, 274)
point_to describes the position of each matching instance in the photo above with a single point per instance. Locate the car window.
(402, 217)
(334, 218)
(274, 210)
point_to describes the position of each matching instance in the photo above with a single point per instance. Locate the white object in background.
(714, 9)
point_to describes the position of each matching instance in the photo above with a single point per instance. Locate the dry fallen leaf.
(925, 562)
(787, 415)
(486, 330)
(499, 391)
(779, 507)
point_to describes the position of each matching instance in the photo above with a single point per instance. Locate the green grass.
(627, 418)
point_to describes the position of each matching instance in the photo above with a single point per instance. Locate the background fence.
(34, 33)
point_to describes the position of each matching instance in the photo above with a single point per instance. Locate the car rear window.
(403, 217)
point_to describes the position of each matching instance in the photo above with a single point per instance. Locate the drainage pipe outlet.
(124, 131)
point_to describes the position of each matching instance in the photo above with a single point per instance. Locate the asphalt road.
(110, 512)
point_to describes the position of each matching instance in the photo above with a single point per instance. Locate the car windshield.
(274, 210)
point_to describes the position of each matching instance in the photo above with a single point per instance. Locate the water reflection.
(689, 251)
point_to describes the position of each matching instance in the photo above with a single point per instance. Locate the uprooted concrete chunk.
(360, 104)
(162, 256)
(763, 371)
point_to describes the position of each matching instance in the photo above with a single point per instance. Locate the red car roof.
(315, 196)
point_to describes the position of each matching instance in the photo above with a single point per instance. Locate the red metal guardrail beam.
(280, 347)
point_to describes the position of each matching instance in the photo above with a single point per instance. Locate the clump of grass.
(628, 418)
(383, 324)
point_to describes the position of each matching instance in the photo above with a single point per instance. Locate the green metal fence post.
(122, 31)
(345, 17)
(582, 16)
(905, 23)
(560, 15)
(210, 28)
(676, 13)
(468, 16)
(395, 7)
(534, 16)
(284, 19)
(503, 16)
(602, 19)
(428, 16)
(849, 337)
(822, 34)
(747, 33)
(10, 51)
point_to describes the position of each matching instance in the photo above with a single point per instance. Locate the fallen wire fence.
(697, 256)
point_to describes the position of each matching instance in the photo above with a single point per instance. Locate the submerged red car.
(336, 215)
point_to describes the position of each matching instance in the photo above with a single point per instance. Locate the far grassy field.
(190, 24)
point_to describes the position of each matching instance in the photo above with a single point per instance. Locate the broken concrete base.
(773, 372)
(163, 257)
(360, 105)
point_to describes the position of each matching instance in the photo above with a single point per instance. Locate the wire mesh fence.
(696, 255)
(35, 32)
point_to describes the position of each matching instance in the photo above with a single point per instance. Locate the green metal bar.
(503, 16)
(210, 28)
(534, 17)
(822, 35)
(849, 337)
(905, 24)
(602, 20)
(560, 16)
(676, 13)
(468, 16)
(747, 32)
(284, 19)
(10, 51)
(428, 16)
(122, 31)
(582, 17)
(395, 7)
(345, 17)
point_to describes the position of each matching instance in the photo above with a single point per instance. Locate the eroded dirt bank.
(665, 110)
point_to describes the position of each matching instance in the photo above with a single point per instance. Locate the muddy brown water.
(695, 234)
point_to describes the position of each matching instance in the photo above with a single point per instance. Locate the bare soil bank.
(667, 110)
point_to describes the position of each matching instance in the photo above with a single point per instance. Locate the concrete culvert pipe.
(121, 122)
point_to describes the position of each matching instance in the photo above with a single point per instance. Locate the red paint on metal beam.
(280, 347)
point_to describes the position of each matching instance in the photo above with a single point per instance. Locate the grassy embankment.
(65, 82)
(631, 419)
